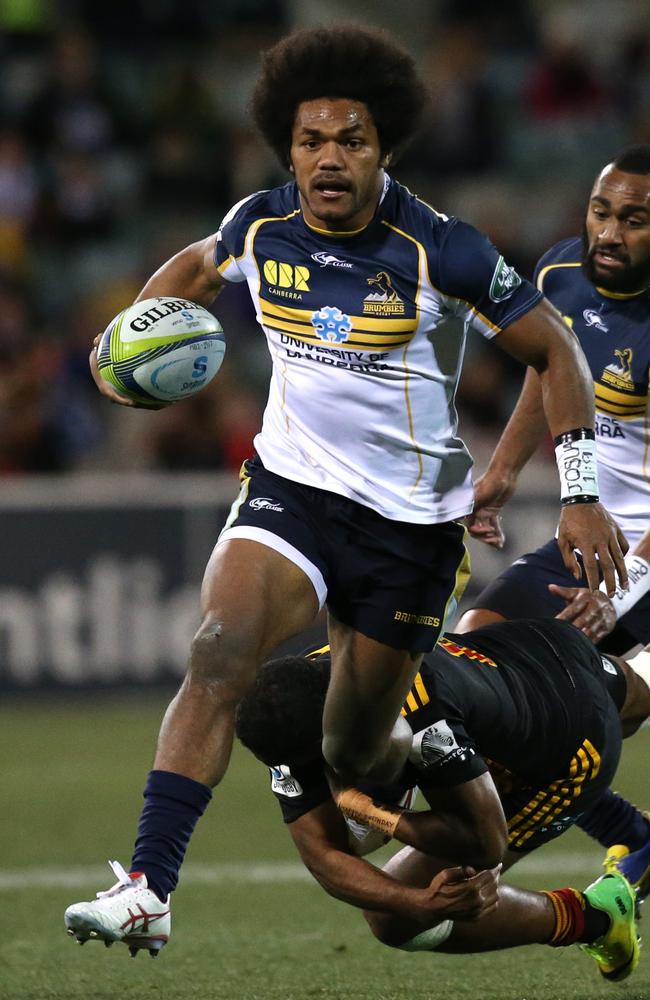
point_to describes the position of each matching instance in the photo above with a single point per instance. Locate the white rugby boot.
(129, 912)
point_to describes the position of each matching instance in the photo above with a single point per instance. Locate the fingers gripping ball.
(161, 350)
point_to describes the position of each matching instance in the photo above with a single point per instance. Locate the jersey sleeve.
(479, 285)
(231, 238)
(443, 755)
(299, 789)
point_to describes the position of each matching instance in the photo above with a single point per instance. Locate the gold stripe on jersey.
(290, 314)
(619, 404)
(417, 697)
(547, 804)
(318, 652)
(250, 237)
(550, 267)
(367, 342)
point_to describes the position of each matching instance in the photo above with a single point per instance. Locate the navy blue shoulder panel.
(463, 264)
(567, 251)
(275, 203)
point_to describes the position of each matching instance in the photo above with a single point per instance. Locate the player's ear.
(385, 160)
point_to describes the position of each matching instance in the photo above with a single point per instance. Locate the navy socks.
(614, 820)
(173, 805)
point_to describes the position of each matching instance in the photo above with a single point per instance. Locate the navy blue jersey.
(614, 333)
(365, 360)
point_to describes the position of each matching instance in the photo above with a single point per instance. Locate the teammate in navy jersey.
(600, 285)
(516, 729)
(359, 479)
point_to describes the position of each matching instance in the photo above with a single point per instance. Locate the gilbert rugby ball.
(161, 350)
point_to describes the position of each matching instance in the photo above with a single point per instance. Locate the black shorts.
(389, 580)
(521, 591)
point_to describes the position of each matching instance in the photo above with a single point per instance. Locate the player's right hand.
(104, 387)
(107, 389)
(590, 610)
(463, 893)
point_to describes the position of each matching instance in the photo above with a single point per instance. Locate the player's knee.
(218, 656)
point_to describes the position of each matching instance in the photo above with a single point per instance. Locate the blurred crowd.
(124, 135)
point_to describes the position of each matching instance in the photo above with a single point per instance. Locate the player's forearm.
(479, 845)
(523, 432)
(190, 274)
(360, 884)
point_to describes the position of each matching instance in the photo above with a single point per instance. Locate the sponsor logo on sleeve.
(505, 281)
(283, 782)
(436, 745)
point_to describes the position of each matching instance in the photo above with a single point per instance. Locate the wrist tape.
(575, 454)
(638, 573)
(361, 808)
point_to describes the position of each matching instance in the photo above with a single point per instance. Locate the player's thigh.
(255, 594)
(367, 674)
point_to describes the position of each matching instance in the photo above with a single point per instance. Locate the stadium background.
(124, 136)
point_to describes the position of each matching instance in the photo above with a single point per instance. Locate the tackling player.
(514, 734)
(600, 285)
(354, 495)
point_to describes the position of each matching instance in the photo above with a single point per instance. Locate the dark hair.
(342, 61)
(634, 159)
(281, 716)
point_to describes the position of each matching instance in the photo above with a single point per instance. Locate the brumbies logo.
(505, 281)
(384, 301)
(619, 373)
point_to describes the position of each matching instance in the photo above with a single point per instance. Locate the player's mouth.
(331, 189)
(609, 259)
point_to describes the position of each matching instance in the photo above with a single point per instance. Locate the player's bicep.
(531, 338)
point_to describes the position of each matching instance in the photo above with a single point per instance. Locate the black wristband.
(578, 434)
(581, 498)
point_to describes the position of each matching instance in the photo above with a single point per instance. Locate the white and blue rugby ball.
(161, 350)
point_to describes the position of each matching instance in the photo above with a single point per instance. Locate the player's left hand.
(485, 524)
(590, 610)
(589, 528)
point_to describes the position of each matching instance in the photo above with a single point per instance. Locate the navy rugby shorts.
(390, 580)
(521, 591)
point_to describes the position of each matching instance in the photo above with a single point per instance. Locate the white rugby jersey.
(365, 362)
(614, 333)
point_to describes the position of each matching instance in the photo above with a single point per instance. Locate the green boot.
(616, 952)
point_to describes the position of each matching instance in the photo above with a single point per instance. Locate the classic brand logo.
(592, 318)
(505, 281)
(265, 503)
(283, 275)
(384, 301)
(329, 260)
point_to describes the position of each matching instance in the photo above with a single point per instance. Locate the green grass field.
(248, 923)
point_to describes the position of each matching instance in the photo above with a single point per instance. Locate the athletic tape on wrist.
(361, 808)
(575, 454)
(638, 573)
